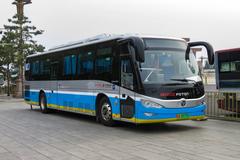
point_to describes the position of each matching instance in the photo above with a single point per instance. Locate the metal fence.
(223, 105)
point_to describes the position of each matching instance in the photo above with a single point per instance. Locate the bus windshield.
(167, 65)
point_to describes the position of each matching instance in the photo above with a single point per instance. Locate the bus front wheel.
(43, 103)
(105, 112)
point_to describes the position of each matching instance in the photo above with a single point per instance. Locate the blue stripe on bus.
(88, 102)
(73, 100)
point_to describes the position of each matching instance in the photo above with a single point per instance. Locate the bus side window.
(237, 66)
(73, 64)
(126, 74)
(35, 70)
(45, 69)
(54, 70)
(103, 64)
(70, 66)
(79, 65)
(85, 64)
(27, 70)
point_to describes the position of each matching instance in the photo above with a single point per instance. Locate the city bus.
(131, 78)
(228, 79)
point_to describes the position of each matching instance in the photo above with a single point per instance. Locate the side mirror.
(138, 46)
(208, 47)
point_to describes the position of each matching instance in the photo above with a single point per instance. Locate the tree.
(20, 34)
(7, 52)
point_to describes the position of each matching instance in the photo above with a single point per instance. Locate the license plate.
(182, 116)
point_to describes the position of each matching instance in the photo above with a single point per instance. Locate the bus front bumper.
(168, 114)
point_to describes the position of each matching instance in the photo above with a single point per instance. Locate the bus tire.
(43, 103)
(105, 112)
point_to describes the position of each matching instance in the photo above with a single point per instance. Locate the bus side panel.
(31, 93)
(50, 88)
(33, 89)
(75, 96)
(111, 91)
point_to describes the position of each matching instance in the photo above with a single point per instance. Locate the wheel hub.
(106, 112)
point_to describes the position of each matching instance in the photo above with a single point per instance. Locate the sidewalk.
(5, 98)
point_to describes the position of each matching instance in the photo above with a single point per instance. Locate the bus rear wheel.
(105, 112)
(43, 103)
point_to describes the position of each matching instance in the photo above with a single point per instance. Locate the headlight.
(150, 104)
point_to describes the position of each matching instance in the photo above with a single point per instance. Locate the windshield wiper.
(183, 80)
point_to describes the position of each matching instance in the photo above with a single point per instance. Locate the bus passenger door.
(127, 94)
(53, 85)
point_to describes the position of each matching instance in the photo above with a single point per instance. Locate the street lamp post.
(20, 14)
(20, 6)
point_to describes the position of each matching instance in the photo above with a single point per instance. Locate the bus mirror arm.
(208, 47)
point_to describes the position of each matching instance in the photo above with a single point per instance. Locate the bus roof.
(94, 40)
(228, 50)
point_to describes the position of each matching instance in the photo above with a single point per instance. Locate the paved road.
(30, 135)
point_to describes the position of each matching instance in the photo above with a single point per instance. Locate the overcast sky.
(215, 21)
